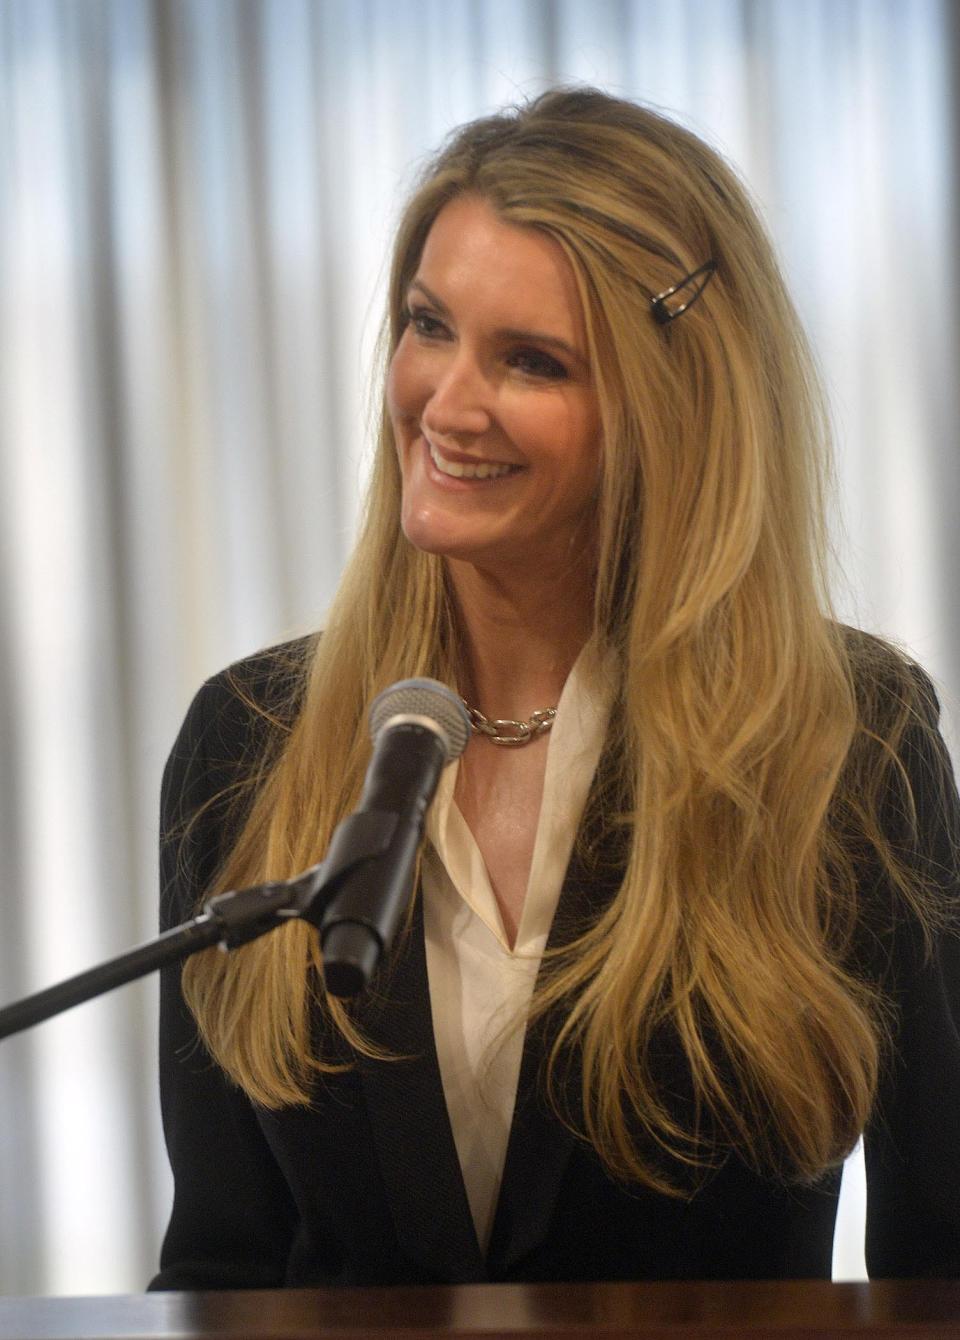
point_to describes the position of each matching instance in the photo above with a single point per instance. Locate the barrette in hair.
(696, 281)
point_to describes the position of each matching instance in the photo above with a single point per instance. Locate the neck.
(519, 638)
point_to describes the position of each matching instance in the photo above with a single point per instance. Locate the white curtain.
(196, 198)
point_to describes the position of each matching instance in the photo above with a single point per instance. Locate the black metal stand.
(351, 945)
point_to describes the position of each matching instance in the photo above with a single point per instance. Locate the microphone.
(418, 726)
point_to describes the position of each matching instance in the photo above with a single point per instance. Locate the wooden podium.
(800, 1310)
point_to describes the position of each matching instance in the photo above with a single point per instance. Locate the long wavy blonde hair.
(753, 740)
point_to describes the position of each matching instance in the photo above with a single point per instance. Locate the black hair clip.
(697, 280)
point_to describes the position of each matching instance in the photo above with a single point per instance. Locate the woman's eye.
(536, 363)
(425, 323)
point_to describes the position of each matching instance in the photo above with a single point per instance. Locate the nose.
(459, 402)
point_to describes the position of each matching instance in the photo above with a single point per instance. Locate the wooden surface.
(557, 1312)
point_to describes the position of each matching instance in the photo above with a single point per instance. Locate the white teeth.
(483, 470)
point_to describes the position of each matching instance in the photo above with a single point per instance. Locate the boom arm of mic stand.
(174, 944)
(229, 919)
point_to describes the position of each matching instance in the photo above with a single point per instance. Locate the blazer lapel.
(411, 1127)
(537, 1154)
(540, 1144)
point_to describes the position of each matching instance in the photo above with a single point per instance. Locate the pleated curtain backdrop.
(196, 200)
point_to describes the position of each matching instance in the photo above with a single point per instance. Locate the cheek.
(592, 439)
(584, 446)
(405, 390)
(394, 388)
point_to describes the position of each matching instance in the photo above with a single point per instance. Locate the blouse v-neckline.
(480, 986)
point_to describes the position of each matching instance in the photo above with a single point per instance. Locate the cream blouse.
(479, 987)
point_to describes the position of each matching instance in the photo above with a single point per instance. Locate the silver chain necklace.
(511, 732)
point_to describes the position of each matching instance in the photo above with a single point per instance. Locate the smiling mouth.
(461, 470)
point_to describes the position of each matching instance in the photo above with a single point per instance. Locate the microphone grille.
(424, 698)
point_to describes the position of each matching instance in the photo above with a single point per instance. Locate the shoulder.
(886, 679)
(269, 684)
(896, 803)
(235, 712)
(898, 714)
(233, 731)
(898, 745)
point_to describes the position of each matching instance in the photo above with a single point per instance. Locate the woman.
(678, 946)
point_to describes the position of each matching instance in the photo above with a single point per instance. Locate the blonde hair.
(753, 741)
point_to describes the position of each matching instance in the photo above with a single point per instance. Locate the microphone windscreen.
(424, 698)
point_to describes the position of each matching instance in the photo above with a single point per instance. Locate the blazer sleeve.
(912, 1144)
(233, 1217)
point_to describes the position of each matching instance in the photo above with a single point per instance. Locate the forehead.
(508, 273)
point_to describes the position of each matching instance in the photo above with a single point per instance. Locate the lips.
(469, 469)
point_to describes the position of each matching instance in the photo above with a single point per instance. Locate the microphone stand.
(232, 919)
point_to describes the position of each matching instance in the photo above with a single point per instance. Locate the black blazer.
(364, 1186)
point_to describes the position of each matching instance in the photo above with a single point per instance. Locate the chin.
(429, 542)
(458, 550)
(427, 539)
(434, 535)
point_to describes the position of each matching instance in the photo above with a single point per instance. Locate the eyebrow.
(509, 332)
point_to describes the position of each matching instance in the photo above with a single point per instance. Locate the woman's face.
(493, 407)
